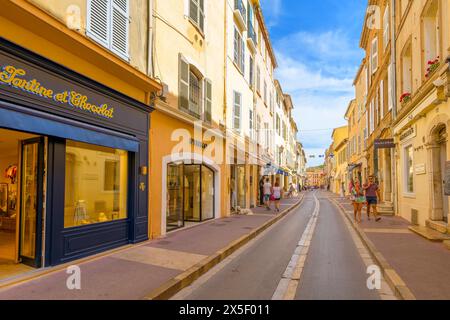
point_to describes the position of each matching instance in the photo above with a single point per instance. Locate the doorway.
(190, 194)
(438, 150)
(442, 141)
(21, 201)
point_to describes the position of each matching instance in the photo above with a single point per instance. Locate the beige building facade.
(422, 123)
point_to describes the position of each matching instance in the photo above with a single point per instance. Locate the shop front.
(185, 180)
(75, 157)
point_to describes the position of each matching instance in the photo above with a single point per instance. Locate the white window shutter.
(390, 82)
(120, 28)
(98, 21)
(183, 84)
(386, 27)
(208, 101)
(374, 55)
(381, 99)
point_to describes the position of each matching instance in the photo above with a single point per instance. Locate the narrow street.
(333, 268)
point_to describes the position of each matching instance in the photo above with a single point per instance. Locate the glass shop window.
(96, 184)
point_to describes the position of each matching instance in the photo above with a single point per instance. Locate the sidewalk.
(136, 272)
(424, 266)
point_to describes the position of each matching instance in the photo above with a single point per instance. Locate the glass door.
(31, 195)
(175, 218)
(192, 193)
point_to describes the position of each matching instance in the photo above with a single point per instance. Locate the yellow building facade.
(339, 157)
(78, 130)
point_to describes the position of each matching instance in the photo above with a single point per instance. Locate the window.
(108, 24)
(197, 13)
(98, 180)
(374, 58)
(278, 125)
(271, 102)
(406, 64)
(239, 51)
(265, 93)
(409, 169)
(195, 92)
(237, 111)
(430, 27)
(258, 79)
(250, 125)
(251, 72)
(386, 29)
(267, 134)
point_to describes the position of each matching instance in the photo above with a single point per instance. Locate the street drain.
(247, 228)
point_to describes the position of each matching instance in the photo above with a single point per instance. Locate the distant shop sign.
(384, 143)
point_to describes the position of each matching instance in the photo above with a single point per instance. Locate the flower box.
(432, 67)
(405, 98)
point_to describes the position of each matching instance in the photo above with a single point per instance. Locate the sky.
(317, 48)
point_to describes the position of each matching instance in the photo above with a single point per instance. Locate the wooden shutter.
(208, 101)
(242, 60)
(237, 111)
(120, 27)
(236, 46)
(183, 84)
(98, 21)
(201, 15)
(382, 99)
(193, 10)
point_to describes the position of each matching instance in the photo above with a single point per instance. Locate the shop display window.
(96, 184)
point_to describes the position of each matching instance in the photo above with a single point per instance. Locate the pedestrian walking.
(358, 200)
(372, 195)
(261, 191)
(267, 193)
(276, 196)
(291, 191)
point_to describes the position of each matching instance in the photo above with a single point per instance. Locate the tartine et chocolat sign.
(16, 78)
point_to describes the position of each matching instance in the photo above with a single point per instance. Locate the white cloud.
(273, 8)
(318, 71)
(295, 75)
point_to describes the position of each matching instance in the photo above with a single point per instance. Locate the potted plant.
(432, 66)
(405, 98)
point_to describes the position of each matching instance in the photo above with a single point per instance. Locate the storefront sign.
(384, 143)
(447, 179)
(408, 133)
(17, 78)
(420, 169)
(198, 144)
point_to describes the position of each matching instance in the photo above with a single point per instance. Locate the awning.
(45, 124)
(353, 166)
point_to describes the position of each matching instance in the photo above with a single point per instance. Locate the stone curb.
(392, 278)
(174, 285)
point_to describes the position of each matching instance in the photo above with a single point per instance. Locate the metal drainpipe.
(150, 72)
(394, 103)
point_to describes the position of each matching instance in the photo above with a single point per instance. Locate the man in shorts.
(267, 193)
(372, 195)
